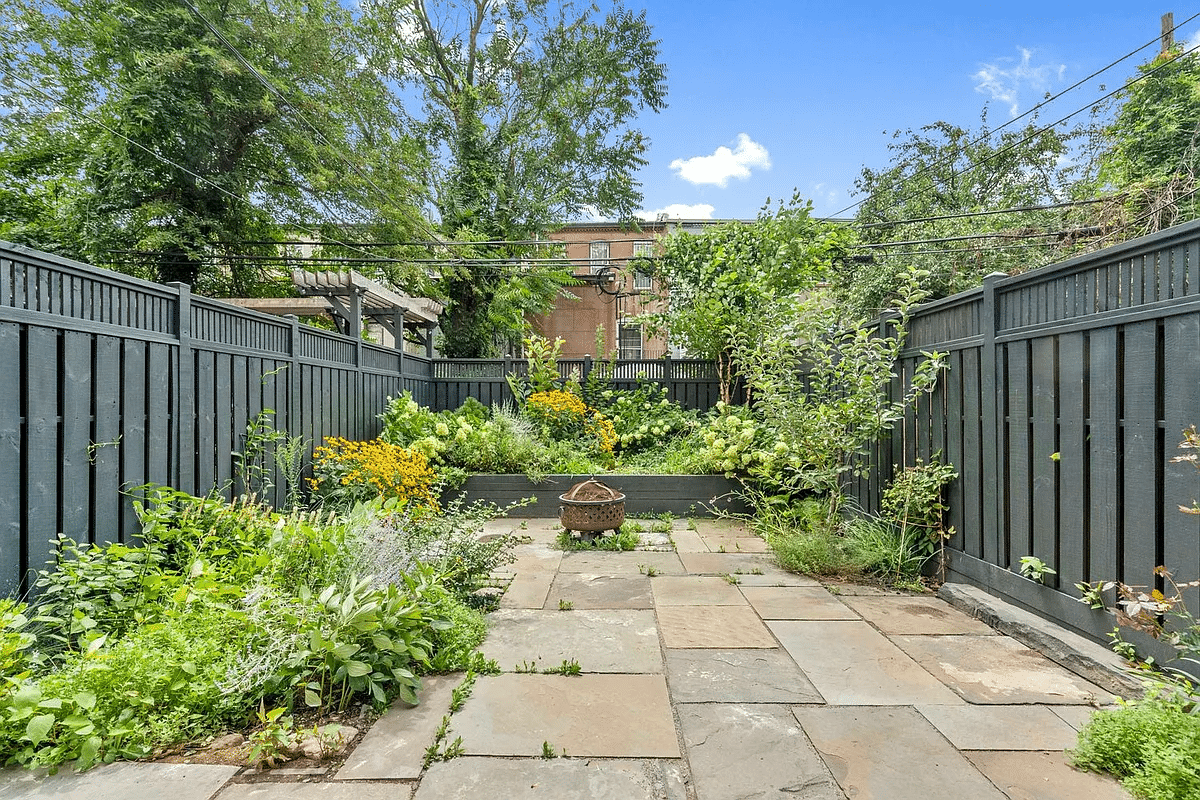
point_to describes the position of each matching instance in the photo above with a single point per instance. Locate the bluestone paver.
(1075, 716)
(394, 747)
(590, 590)
(557, 779)
(851, 663)
(317, 791)
(617, 716)
(796, 602)
(724, 563)
(688, 542)
(741, 751)
(1044, 776)
(889, 753)
(120, 781)
(971, 727)
(706, 526)
(737, 676)
(695, 590)
(623, 564)
(916, 615)
(713, 626)
(996, 669)
(735, 544)
(605, 640)
(528, 590)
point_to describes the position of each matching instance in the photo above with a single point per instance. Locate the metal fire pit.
(591, 507)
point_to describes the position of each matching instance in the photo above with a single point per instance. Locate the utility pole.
(1168, 31)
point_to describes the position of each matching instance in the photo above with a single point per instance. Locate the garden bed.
(681, 495)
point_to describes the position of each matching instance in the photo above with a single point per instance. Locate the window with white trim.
(598, 256)
(643, 280)
(630, 340)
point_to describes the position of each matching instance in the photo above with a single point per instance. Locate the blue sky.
(767, 97)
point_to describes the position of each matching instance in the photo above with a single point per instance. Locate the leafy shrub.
(1152, 746)
(358, 641)
(736, 443)
(15, 644)
(92, 591)
(224, 608)
(644, 417)
(156, 686)
(405, 421)
(346, 472)
(914, 503)
(557, 414)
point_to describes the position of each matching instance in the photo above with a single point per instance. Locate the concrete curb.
(1084, 657)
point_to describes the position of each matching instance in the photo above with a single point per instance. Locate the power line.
(974, 236)
(275, 90)
(159, 156)
(969, 214)
(1042, 130)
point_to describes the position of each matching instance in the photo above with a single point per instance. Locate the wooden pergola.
(349, 297)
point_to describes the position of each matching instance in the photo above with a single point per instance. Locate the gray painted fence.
(690, 382)
(108, 382)
(1068, 389)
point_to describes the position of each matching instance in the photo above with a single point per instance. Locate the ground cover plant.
(227, 612)
(1152, 744)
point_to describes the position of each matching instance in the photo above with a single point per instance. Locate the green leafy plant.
(1035, 569)
(442, 748)
(274, 739)
(622, 540)
(460, 693)
(567, 668)
(566, 605)
(915, 503)
(649, 570)
(1152, 746)
(252, 475)
(548, 751)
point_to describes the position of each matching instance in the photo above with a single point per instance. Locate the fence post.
(294, 426)
(669, 378)
(587, 369)
(990, 418)
(184, 392)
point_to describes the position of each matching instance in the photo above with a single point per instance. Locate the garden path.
(706, 673)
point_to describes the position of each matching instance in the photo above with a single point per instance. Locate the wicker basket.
(605, 511)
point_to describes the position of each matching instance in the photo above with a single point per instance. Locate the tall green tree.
(721, 284)
(1150, 151)
(134, 127)
(528, 110)
(937, 175)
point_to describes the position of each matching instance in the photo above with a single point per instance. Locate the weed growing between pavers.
(442, 748)
(621, 541)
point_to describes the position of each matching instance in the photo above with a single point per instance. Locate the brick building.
(618, 293)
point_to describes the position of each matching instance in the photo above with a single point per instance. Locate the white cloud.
(679, 211)
(1004, 80)
(821, 194)
(724, 163)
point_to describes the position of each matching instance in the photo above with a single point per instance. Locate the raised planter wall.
(682, 495)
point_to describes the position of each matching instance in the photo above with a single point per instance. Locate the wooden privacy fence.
(108, 382)
(1068, 389)
(690, 382)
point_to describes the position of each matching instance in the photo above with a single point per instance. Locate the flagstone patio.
(706, 674)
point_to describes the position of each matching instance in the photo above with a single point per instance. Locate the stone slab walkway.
(706, 673)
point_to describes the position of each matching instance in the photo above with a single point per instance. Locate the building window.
(598, 256)
(630, 340)
(642, 280)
